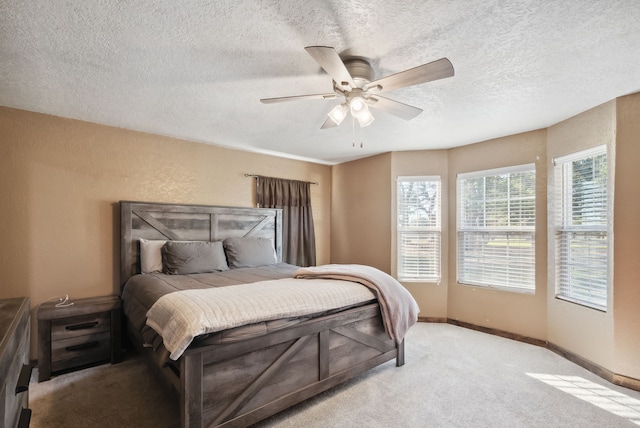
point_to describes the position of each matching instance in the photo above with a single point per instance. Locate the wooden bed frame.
(241, 383)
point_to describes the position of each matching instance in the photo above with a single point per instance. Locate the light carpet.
(453, 377)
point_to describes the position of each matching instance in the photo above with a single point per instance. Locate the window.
(418, 228)
(581, 224)
(496, 228)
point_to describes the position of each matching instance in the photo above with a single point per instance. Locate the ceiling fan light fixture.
(358, 107)
(360, 110)
(338, 113)
(365, 119)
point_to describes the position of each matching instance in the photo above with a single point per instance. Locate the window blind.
(496, 227)
(581, 223)
(418, 228)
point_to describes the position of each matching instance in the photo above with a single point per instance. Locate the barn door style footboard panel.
(239, 384)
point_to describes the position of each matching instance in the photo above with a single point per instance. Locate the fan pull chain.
(353, 132)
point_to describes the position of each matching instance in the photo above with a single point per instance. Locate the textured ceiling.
(197, 69)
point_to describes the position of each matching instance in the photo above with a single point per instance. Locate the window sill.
(583, 304)
(499, 288)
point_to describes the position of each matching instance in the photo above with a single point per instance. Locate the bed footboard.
(236, 385)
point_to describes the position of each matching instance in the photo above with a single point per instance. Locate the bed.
(239, 376)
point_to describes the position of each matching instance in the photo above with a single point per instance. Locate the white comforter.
(180, 316)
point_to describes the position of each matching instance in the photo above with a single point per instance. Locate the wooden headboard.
(176, 222)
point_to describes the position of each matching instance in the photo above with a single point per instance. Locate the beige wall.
(626, 274)
(432, 298)
(61, 179)
(361, 213)
(519, 313)
(583, 331)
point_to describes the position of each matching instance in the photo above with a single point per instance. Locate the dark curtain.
(294, 198)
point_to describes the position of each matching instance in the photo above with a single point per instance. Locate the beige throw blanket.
(182, 315)
(399, 309)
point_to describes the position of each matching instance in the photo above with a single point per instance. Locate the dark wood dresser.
(73, 336)
(14, 362)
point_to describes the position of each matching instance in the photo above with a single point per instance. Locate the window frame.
(562, 224)
(505, 233)
(435, 231)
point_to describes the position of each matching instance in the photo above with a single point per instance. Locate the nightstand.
(85, 333)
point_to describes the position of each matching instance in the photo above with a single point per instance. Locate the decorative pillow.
(186, 257)
(249, 252)
(151, 255)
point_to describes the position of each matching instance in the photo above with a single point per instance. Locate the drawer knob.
(87, 345)
(83, 326)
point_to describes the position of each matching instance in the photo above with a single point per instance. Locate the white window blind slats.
(581, 222)
(588, 204)
(420, 256)
(418, 228)
(497, 258)
(496, 228)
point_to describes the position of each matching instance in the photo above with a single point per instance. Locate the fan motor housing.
(360, 70)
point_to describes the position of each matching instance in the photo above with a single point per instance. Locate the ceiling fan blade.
(396, 108)
(329, 123)
(331, 62)
(431, 71)
(298, 97)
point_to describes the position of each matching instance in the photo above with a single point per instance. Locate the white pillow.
(151, 255)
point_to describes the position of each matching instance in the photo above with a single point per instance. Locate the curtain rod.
(257, 176)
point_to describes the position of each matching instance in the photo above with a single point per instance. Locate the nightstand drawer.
(95, 347)
(80, 326)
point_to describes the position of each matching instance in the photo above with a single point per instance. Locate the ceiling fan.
(353, 80)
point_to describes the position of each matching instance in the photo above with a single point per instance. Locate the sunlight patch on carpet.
(598, 395)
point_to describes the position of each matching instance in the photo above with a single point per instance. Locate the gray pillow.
(186, 257)
(249, 252)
